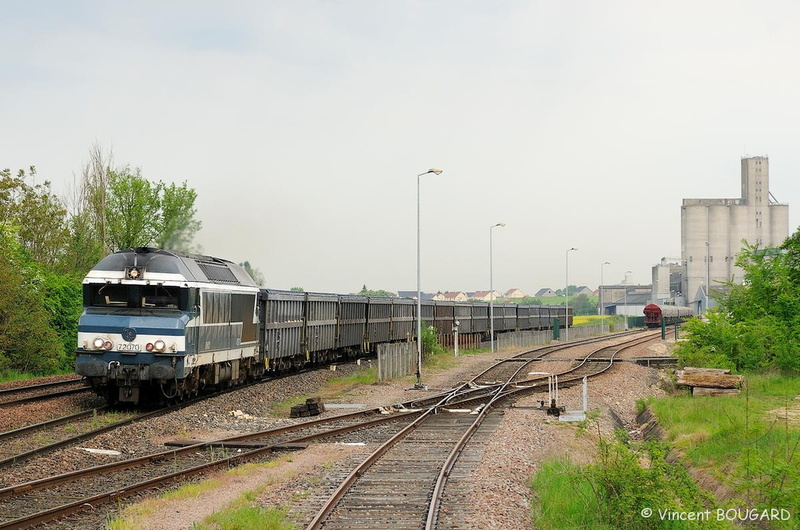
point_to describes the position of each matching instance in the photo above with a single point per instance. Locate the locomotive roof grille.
(217, 274)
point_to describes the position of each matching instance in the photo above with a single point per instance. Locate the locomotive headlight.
(159, 346)
(98, 343)
(108, 345)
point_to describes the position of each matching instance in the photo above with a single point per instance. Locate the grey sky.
(303, 125)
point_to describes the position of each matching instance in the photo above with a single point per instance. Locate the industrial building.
(712, 234)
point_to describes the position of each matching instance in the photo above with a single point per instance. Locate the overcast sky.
(302, 126)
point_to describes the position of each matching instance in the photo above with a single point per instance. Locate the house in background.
(581, 290)
(426, 297)
(545, 293)
(514, 293)
(451, 296)
(483, 296)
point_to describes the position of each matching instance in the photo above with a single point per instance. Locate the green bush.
(615, 490)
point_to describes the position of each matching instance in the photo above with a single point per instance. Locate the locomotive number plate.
(128, 347)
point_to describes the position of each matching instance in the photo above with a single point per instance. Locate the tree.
(28, 343)
(254, 273)
(39, 218)
(132, 216)
(380, 292)
(178, 226)
(757, 324)
(582, 305)
(119, 208)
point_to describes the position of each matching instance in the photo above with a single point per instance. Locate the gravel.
(500, 499)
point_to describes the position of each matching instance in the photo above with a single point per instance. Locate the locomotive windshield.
(136, 296)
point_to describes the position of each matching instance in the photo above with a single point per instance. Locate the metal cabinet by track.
(352, 321)
(282, 314)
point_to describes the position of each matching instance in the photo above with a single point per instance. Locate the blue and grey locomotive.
(159, 323)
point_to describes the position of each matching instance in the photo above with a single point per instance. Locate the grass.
(750, 443)
(13, 375)
(562, 501)
(245, 515)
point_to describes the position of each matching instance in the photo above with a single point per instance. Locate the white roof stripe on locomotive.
(180, 282)
(120, 275)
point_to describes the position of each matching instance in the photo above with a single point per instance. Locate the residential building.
(484, 296)
(451, 296)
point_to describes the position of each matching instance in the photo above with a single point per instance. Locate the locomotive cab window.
(135, 296)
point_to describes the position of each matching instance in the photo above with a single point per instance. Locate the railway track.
(440, 423)
(43, 500)
(402, 484)
(10, 397)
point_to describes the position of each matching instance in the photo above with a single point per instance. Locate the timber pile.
(312, 407)
(709, 381)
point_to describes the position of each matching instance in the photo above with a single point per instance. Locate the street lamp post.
(600, 308)
(491, 288)
(708, 268)
(625, 303)
(566, 311)
(436, 171)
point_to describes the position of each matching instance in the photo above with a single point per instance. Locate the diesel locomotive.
(160, 325)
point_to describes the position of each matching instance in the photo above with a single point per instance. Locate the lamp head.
(436, 170)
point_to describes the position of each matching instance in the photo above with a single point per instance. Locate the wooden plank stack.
(312, 407)
(709, 381)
